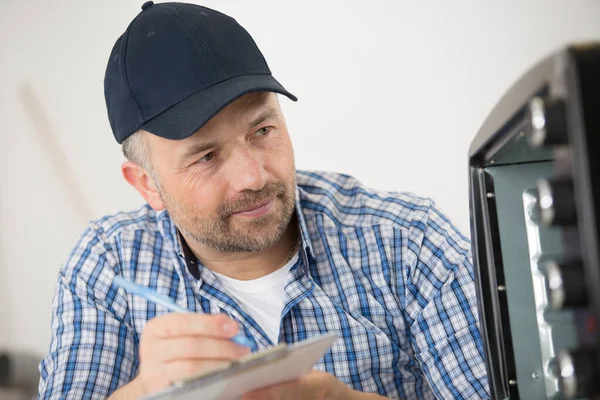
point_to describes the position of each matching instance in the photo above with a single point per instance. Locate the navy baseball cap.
(176, 66)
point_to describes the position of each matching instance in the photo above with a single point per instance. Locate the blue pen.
(157, 298)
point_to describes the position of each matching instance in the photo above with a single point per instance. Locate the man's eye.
(208, 157)
(263, 131)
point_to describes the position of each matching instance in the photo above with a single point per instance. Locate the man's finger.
(182, 324)
(179, 370)
(196, 348)
(170, 373)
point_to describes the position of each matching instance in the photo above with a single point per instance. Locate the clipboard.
(276, 365)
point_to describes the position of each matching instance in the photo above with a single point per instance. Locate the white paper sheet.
(269, 367)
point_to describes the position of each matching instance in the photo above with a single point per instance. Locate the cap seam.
(125, 74)
(202, 47)
(199, 38)
(259, 52)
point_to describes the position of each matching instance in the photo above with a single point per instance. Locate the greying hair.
(136, 149)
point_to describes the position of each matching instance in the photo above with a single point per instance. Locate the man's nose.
(247, 172)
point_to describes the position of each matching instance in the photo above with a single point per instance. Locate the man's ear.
(139, 178)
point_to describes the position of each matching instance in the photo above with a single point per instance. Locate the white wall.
(390, 91)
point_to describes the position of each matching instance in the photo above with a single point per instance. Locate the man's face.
(231, 185)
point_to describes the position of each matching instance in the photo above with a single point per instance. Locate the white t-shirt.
(262, 298)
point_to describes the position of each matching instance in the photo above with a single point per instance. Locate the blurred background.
(391, 92)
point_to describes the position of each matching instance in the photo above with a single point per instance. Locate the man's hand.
(315, 385)
(177, 346)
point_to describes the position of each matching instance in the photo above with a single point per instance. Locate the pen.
(157, 298)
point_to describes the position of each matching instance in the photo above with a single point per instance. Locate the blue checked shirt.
(387, 271)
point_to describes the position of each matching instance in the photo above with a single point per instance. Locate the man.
(234, 233)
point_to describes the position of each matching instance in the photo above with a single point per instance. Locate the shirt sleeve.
(441, 308)
(93, 350)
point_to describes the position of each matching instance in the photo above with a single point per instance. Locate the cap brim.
(190, 114)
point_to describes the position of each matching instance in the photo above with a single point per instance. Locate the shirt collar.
(306, 249)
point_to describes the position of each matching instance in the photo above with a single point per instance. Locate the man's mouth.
(256, 210)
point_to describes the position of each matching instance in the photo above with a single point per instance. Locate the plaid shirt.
(387, 271)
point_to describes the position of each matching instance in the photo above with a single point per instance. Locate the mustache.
(250, 198)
